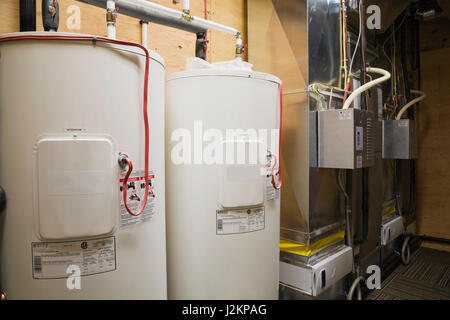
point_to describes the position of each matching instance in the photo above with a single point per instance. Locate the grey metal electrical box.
(345, 139)
(399, 139)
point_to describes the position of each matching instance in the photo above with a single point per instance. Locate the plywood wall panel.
(173, 45)
(9, 16)
(433, 171)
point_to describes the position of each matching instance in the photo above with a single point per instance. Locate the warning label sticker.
(359, 162)
(135, 194)
(271, 192)
(240, 221)
(345, 115)
(359, 139)
(51, 260)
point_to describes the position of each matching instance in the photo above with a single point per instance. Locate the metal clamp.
(187, 15)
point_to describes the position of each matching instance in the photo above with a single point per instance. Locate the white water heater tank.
(223, 215)
(67, 108)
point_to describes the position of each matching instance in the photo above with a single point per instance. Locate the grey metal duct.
(311, 203)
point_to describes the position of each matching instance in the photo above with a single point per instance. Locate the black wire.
(365, 204)
(404, 63)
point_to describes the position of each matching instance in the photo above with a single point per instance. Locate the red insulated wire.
(146, 126)
(280, 179)
(348, 84)
(347, 90)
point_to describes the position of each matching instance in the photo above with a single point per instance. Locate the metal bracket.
(200, 45)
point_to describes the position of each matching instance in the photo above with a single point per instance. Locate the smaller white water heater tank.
(223, 214)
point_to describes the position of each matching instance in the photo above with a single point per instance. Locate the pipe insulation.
(386, 76)
(151, 14)
(196, 21)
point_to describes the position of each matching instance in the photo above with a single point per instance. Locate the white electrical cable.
(386, 76)
(411, 103)
(355, 284)
(406, 253)
(359, 38)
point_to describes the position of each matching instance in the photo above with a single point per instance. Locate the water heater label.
(51, 260)
(135, 191)
(239, 221)
(271, 192)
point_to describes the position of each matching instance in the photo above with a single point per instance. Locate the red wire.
(348, 84)
(147, 63)
(280, 179)
(347, 89)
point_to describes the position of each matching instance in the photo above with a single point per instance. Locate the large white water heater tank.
(223, 214)
(67, 108)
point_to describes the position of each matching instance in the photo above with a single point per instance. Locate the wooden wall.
(433, 181)
(173, 45)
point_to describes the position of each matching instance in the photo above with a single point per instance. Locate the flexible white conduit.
(386, 76)
(355, 285)
(411, 103)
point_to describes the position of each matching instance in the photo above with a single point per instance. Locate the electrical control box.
(399, 139)
(344, 138)
(391, 230)
(315, 278)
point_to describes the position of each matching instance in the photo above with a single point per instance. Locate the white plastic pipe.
(144, 33)
(411, 103)
(111, 26)
(186, 6)
(386, 76)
